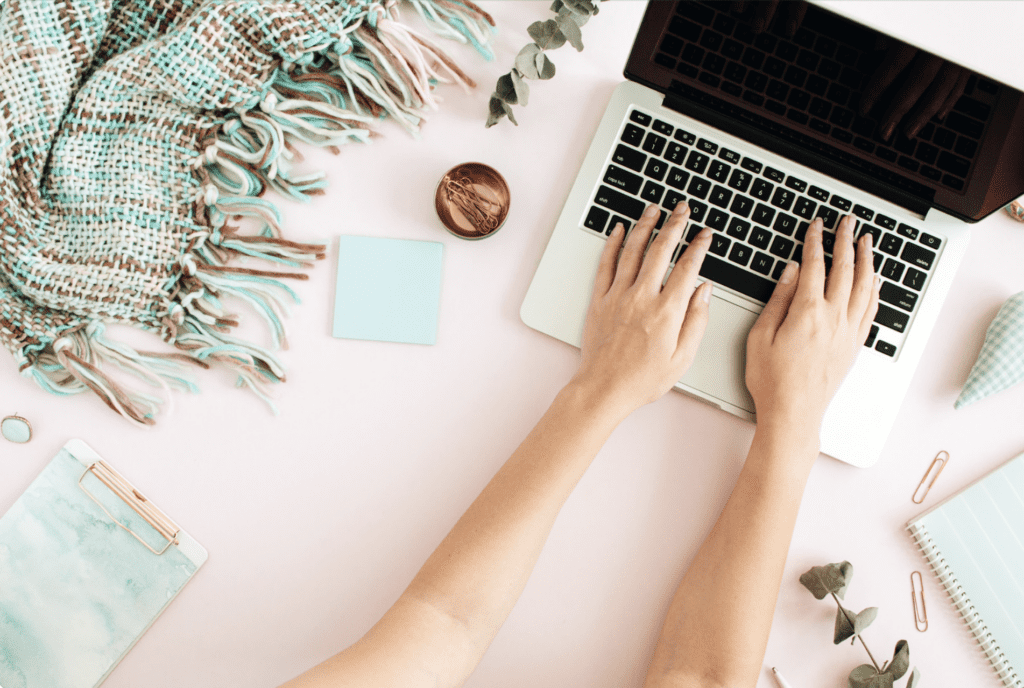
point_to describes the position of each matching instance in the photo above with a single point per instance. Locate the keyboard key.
(774, 174)
(736, 278)
(616, 219)
(753, 58)
(699, 188)
(886, 348)
(629, 157)
(897, 296)
(596, 219)
(754, 98)
(652, 192)
(633, 134)
(887, 222)
(717, 219)
(740, 180)
(871, 336)
(796, 184)
(863, 213)
(930, 241)
(656, 169)
(731, 156)
(741, 205)
(828, 242)
(735, 72)
(840, 203)
(662, 127)
(676, 153)
(893, 270)
(697, 162)
(785, 224)
(762, 263)
(662, 216)
(915, 279)
(804, 207)
(719, 171)
(751, 165)
(719, 245)
(677, 178)
(760, 237)
(740, 253)
(878, 261)
(761, 190)
(798, 254)
(620, 202)
(764, 214)
(672, 199)
(892, 318)
(622, 179)
(654, 144)
(953, 164)
(640, 118)
(782, 247)
(783, 198)
(738, 229)
(829, 217)
(697, 210)
(819, 193)
(720, 196)
(693, 231)
(707, 146)
(907, 231)
(891, 244)
(685, 136)
(918, 255)
(875, 232)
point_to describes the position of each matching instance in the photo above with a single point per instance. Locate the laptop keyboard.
(816, 81)
(759, 215)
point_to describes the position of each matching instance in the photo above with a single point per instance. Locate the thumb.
(770, 320)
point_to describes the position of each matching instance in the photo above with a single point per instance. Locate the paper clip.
(938, 463)
(920, 615)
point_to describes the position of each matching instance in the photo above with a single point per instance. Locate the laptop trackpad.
(720, 366)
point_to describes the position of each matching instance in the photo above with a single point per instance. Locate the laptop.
(760, 133)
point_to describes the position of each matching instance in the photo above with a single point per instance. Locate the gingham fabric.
(1001, 361)
(131, 131)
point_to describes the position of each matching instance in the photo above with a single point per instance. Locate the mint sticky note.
(389, 290)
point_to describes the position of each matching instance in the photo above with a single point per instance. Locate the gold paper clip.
(920, 614)
(167, 528)
(938, 463)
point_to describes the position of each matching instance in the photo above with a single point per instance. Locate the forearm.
(719, 619)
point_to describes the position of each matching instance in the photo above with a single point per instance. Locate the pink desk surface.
(316, 519)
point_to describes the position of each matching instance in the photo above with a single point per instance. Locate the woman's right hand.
(810, 332)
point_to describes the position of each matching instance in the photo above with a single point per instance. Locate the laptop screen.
(839, 97)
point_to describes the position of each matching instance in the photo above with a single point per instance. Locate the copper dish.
(472, 200)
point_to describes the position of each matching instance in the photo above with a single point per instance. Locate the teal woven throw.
(132, 132)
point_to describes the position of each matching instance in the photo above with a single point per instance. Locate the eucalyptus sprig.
(532, 61)
(832, 580)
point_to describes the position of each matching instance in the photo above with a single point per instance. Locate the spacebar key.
(728, 275)
(619, 202)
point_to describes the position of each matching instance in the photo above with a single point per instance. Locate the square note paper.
(389, 290)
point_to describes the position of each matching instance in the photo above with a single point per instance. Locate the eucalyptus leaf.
(865, 676)
(522, 89)
(915, 678)
(546, 34)
(900, 660)
(545, 67)
(571, 31)
(556, 6)
(584, 7)
(508, 113)
(578, 19)
(844, 629)
(526, 61)
(506, 89)
(496, 110)
(832, 578)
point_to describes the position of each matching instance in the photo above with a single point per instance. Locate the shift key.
(619, 202)
(892, 318)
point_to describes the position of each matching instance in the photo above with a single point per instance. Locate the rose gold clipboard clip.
(936, 466)
(167, 528)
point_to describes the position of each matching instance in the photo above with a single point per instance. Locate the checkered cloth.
(1001, 361)
(132, 132)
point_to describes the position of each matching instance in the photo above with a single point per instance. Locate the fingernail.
(791, 28)
(652, 211)
(789, 273)
(617, 230)
(913, 132)
(887, 133)
(705, 233)
(682, 207)
(706, 294)
(878, 283)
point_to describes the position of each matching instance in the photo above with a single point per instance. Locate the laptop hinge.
(783, 140)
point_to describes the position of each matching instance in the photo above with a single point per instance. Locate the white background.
(316, 519)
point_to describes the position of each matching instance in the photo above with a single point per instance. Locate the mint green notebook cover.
(76, 590)
(974, 542)
(388, 290)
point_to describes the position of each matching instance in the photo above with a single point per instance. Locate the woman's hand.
(640, 337)
(810, 332)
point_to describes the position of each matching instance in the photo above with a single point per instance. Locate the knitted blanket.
(133, 131)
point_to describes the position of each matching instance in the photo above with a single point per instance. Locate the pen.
(783, 683)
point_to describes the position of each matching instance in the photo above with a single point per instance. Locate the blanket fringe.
(332, 95)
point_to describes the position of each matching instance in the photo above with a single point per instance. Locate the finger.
(738, 7)
(954, 95)
(919, 77)
(764, 12)
(774, 313)
(694, 324)
(795, 12)
(870, 312)
(659, 255)
(933, 99)
(840, 277)
(863, 278)
(684, 274)
(606, 265)
(896, 59)
(636, 244)
(812, 270)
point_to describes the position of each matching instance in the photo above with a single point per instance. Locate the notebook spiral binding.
(967, 611)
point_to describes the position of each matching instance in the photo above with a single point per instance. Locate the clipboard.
(87, 564)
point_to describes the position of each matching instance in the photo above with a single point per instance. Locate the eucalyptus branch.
(532, 62)
(859, 637)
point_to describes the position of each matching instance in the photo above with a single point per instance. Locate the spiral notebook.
(87, 564)
(974, 543)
